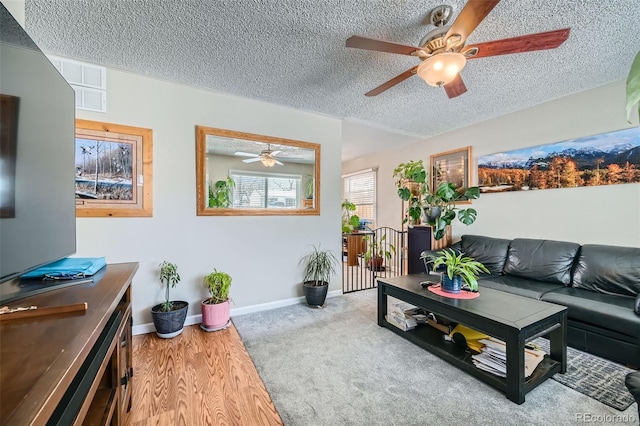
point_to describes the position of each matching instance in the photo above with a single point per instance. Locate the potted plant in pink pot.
(215, 309)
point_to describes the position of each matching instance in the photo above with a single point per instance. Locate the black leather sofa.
(599, 284)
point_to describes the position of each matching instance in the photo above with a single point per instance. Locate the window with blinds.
(266, 190)
(360, 189)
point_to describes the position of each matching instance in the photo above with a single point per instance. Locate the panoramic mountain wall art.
(605, 159)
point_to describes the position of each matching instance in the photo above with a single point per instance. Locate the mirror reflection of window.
(266, 190)
(270, 176)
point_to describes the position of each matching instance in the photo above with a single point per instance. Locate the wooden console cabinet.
(70, 368)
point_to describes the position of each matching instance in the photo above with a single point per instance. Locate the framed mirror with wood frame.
(245, 174)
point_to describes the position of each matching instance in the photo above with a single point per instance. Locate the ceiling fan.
(267, 157)
(443, 51)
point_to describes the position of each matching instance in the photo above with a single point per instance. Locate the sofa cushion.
(491, 252)
(608, 269)
(516, 285)
(607, 311)
(544, 260)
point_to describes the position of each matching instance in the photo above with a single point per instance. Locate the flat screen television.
(37, 190)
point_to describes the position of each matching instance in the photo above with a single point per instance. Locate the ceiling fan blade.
(455, 87)
(470, 16)
(251, 160)
(245, 154)
(275, 152)
(380, 45)
(526, 43)
(277, 162)
(389, 84)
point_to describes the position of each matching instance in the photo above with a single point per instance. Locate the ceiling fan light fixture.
(442, 68)
(268, 161)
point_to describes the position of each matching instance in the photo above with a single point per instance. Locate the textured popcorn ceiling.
(292, 52)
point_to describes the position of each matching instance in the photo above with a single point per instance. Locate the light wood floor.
(197, 378)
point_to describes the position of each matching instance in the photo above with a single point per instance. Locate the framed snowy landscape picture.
(113, 166)
(604, 159)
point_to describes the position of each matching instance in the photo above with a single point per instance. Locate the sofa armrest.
(636, 307)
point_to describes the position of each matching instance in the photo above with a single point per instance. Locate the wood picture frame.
(113, 170)
(452, 166)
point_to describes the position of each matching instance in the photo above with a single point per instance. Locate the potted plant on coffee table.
(377, 251)
(318, 266)
(169, 316)
(458, 268)
(215, 308)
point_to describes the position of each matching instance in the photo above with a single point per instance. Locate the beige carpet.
(336, 366)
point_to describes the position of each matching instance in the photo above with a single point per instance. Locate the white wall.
(260, 252)
(16, 8)
(600, 214)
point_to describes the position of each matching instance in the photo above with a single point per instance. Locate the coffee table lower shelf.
(514, 319)
(431, 340)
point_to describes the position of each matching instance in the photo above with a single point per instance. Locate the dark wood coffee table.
(511, 318)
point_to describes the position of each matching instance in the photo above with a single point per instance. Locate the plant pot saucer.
(205, 328)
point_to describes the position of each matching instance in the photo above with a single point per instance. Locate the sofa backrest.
(491, 252)
(543, 260)
(608, 269)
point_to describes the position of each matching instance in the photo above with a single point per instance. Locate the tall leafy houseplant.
(445, 198)
(220, 193)
(318, 267)
(215, 308)
(412, 186)
(458, 268)
(169, 316)
(350, 220)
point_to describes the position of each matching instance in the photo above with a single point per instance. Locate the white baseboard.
(197, 319)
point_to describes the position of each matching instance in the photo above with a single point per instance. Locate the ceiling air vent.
(88, 81)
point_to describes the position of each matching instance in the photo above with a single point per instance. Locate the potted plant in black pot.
(459, 268)
(169, 316)
(377, 251)
(216, 308)
(318, 266)
(443, 201)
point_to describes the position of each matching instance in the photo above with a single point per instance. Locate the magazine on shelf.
(402, 321)
(402, 316)
(493, 357)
